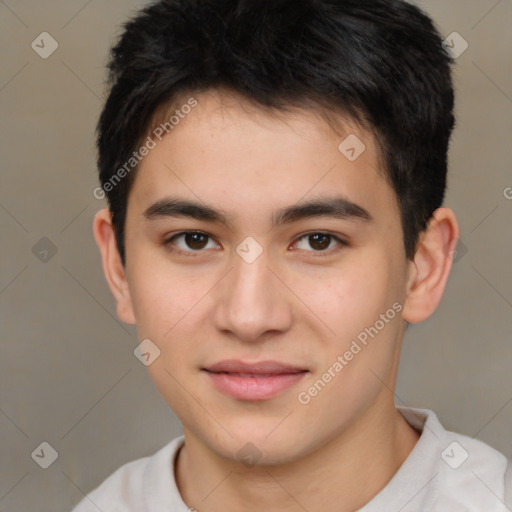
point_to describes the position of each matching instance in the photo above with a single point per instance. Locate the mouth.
(253, 381)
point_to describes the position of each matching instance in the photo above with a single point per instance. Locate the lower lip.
(254, 388)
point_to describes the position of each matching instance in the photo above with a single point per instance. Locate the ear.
(431, 266)
(113, 268)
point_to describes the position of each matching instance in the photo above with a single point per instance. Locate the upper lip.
(261, 367)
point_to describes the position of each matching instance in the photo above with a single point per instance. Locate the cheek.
(349, 298)
(163, 295)
(164, 304)
(350, 301)
(169, 305)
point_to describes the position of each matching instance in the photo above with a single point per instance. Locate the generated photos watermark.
(149, 144)
(304, 397)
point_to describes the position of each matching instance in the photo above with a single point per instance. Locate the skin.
(291, 304)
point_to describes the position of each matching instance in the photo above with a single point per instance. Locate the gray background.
(68, 373)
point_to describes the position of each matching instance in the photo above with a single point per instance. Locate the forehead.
(227, 151)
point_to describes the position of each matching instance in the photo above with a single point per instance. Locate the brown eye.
(190, 242)
(196, 241)
(319, 242)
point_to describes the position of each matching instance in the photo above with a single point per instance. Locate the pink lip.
(256, 381)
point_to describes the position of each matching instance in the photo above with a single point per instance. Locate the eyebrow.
(337, 207)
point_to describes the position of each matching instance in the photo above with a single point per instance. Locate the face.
(273, 319)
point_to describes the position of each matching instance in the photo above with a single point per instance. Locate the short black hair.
(381, 62)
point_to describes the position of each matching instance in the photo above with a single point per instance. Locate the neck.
(344, 474)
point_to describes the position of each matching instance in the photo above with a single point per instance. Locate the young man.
(275, 172)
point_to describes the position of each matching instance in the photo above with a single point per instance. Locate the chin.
(261, 445)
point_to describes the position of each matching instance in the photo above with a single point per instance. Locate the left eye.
(318, 241)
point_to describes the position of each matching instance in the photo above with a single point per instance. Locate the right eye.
(190, 242)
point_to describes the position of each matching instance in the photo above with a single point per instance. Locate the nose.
(251, 302)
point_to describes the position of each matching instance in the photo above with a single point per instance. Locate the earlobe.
(113, 268)
(431, 266)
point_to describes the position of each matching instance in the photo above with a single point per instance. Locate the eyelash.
(315, 254)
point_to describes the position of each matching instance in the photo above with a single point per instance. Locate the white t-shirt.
(445, 472)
